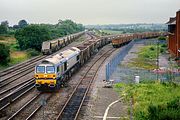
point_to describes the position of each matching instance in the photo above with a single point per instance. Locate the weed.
(153, 100)
(32, 52)
(147, 57)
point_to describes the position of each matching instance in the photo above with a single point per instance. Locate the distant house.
(174, 35)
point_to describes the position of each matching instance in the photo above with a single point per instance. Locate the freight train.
(48, 47)
(126, 38)
(53, 72)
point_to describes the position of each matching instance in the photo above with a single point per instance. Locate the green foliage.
(152, 101)
(65, 27)
(4, 54)
(3, 29)
(32, 36)
(169, 111)
(5, 23)
(162, 38)
(152, 48)
(147, 55)
(22, 23)
(149, 52)
(33, 52)
(14, 47)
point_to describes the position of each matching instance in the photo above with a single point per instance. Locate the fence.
(112, 65)
(121, 73)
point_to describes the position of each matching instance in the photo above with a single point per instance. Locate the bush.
(4, 54)
(162, 38)
(3, 29)
(32, 52)
(152, 101)
(171, 111)
(162, 50)
(32, 36)
(152, 48)
(164, 45)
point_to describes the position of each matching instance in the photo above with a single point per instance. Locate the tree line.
(31, 36)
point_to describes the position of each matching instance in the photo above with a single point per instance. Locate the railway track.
(25, 88)
(13, 93)
(73, 105)
(31, 107)
(20, 66)
(15, 73)
(16, 94)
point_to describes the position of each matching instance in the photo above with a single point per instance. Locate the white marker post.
(136, 78)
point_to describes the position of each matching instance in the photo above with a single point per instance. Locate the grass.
(16, 55)
(107, 32)
(146, 95)
(147, 57)
(7, 40)
(112, 32)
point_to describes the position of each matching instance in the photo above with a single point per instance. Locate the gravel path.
(100, 97)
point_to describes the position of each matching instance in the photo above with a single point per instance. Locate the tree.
(68, 27)
(22, 23)
(4, 54)
(15, 26)
(32, 36)
(4, 27)
(5, 23)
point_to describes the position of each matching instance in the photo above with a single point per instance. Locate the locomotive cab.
(48, 73)
(45, 76)
(52, 72)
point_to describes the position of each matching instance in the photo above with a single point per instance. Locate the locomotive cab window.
(50, 69)
(65, 66)
(40, 69)
(57, 69)
(77, 57)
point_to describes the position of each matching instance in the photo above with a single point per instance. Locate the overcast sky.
(88, 11)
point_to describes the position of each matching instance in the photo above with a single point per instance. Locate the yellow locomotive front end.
(45, 75)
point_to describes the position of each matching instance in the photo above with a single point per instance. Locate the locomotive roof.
(61, 57)
(70, 52)
(55, 60)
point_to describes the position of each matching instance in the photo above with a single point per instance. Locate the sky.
(88, 11)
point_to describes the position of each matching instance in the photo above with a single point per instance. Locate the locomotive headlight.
(54, 76)
(36, 76)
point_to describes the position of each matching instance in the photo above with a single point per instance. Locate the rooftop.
(172, 21)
